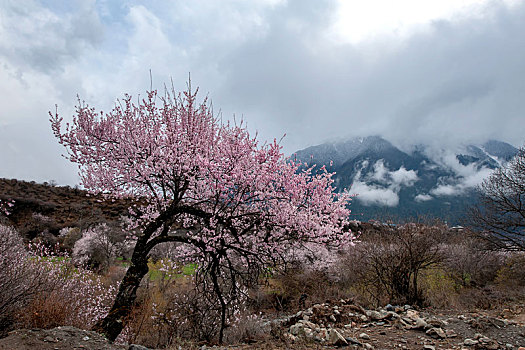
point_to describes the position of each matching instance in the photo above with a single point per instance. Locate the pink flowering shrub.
(97, 248)
(314, 257)
(19, 280)
(78, 298)
(42, 289)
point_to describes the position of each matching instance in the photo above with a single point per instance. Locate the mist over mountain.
(425, 181)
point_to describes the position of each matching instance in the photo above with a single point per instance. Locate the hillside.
(41, 207)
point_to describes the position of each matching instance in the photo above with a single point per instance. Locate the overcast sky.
(412, 71)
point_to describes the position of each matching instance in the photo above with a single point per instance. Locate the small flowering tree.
(232, 205)
(97, 247)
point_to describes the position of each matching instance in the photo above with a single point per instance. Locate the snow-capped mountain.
(392, 183)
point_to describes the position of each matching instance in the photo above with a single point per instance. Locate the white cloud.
(396, 178)
(386, 194)
(423, 198)
(380, 171)
(404, 177)
(465, 177)
(36, 38)
(374, 195)
(358, 21)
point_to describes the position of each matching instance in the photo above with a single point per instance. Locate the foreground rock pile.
(328, 326)
(346, 324)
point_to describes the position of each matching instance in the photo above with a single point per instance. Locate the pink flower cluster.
(205, 183)
(5, 206)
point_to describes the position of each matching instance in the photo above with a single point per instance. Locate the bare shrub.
(68, 236)
(39, 227)
(173, 307)
(512, 273)
(246, 329)
(439, 288)
(298, 287)
(499, 214)
(20, 278)
(386, 266)
(469, 262)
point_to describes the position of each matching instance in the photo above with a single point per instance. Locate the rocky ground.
(346, 324)
(60, 338)
(333, 325)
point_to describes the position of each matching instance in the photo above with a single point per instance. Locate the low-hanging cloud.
(466, 177)
(423, 197)
(374, 195)
(396, 178)
(386, 192)
(453, 187)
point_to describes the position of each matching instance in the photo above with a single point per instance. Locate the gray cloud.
(456, 81)
(36, 38)
(272, 61)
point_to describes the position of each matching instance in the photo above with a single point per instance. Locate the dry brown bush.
(386, 266)
(171, 311)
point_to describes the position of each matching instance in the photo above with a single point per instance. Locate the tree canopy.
(230, 202)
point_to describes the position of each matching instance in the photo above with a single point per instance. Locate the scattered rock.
(436, 333)
(297, 329)
(375, 315)
(420, 324)
(59, 338)
(469, 342)
(137, 347)
(335, 338)
(392, 315)
(364, 336)
(353, 341)
(50, 339)
(450, 333)
(343, 319)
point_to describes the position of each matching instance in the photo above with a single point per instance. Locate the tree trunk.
(113, 323)
(218, 292)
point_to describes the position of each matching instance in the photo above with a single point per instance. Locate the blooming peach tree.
(226, 200)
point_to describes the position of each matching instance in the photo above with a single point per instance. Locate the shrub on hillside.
(470, 264)
(41, 289)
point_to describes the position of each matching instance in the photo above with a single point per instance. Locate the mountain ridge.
(390, 182)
